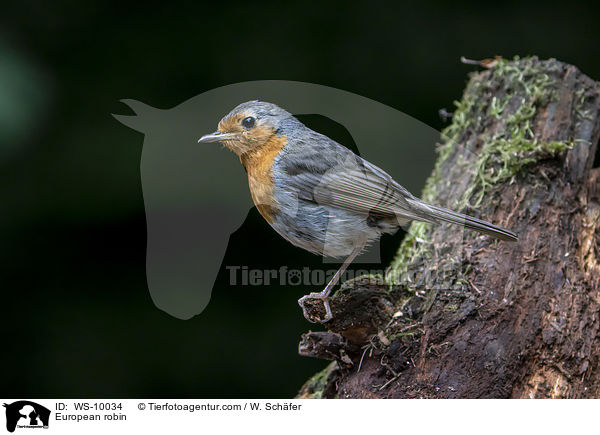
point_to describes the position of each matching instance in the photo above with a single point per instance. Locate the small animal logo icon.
(26, 414)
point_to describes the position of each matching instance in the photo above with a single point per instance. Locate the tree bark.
(461, 315)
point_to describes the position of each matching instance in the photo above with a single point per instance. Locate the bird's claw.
(322, 297)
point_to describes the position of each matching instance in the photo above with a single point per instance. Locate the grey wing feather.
(322, 171)
(330, 174)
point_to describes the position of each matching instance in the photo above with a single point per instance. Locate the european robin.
(318, 194)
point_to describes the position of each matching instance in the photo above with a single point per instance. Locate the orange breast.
(259, 165)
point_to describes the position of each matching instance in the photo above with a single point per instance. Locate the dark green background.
(77, 319)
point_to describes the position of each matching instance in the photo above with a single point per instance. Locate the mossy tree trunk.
(463, 315)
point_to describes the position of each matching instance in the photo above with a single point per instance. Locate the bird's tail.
(441, 214)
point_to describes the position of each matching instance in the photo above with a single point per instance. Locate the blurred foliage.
(25, 92)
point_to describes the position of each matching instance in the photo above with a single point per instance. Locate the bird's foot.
(324, 297)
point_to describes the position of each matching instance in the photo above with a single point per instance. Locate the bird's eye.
(248, 121)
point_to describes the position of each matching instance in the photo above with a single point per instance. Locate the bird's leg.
(324, 294)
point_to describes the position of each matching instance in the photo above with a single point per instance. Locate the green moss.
(412, 247)
(315, 386)
(503, 158)
(580, 97)
(509, 146)
(506, 145)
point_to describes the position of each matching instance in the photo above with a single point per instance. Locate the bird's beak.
(217, 136)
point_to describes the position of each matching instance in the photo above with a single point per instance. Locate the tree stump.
(461, 315)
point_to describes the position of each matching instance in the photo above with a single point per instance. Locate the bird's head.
(249, 126)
